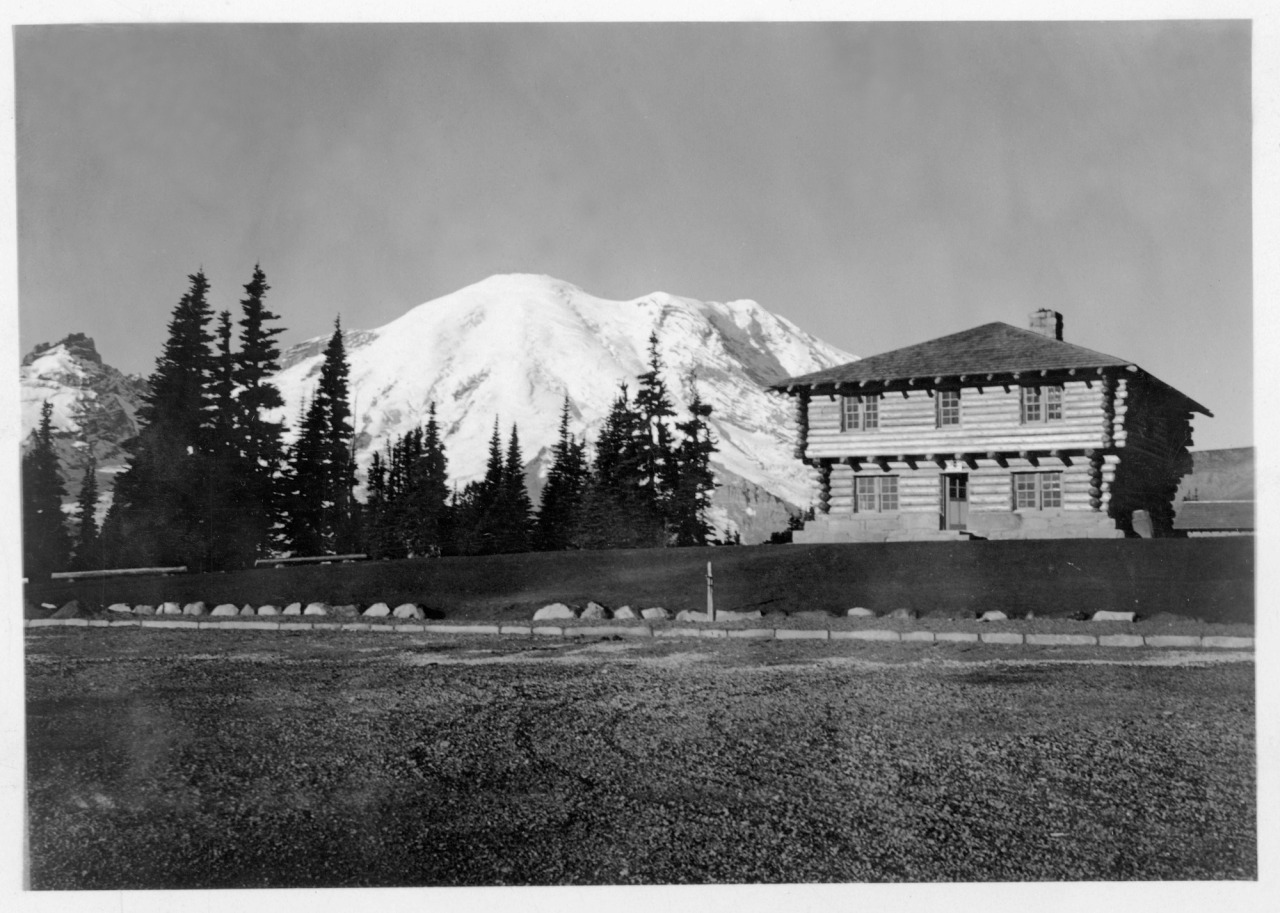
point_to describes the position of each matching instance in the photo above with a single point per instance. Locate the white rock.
(225, 608)
(904, 613)
(686, 615)
(377, 610)
(860, 612)
(316, 608)
(119, 607)
(1112, 616)
(656, 613)
(594, 612)
(993, 615)
(553, 611)
(193, 608)
(272, 610)
(247, 609)
(624, 612)
(169, 608)
(144, 610)
(293, 608)
(408, 610)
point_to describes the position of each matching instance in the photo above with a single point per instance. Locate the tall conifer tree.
(260, 443)
(88, 551)
(159, 497)
(562, 495)
(46, 546)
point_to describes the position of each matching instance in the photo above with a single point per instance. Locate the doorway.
(955, 501)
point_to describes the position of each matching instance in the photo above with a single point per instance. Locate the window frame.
(1045, 496)
(1045, 399)
(883, 501)
(865, 414)
(942, 410)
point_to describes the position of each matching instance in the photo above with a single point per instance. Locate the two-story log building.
(996, 433)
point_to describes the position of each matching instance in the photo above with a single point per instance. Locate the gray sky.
(879, 184)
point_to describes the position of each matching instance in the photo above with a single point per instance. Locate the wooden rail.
(118, 572)
(316, 559)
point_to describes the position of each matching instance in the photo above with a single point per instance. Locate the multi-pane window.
(859, 413)
(948, 404)
(875, 494)
(1037, 490)
(1041, 404)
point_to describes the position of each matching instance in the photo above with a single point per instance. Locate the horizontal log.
(311, 559)
(117, 572)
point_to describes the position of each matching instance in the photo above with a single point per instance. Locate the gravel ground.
(160, 759)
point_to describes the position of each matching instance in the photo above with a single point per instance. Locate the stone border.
(1009, 638)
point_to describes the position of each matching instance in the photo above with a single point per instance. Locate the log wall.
(990, 420)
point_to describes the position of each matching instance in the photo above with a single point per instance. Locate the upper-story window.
(1041, 404)
(948, 406)
(859, 413)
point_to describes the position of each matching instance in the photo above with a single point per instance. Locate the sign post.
(711, 604)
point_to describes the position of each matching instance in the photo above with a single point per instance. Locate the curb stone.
(867, 635)
(1119, 640)
(1001, 637)
(1062, 640)
(1230, 643)
(521, 630)
(802, 634)
(967, 637)
(1176, 640)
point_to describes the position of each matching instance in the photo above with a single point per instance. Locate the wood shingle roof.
(993, 348)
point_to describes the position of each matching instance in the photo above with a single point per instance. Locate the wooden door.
(955, 499)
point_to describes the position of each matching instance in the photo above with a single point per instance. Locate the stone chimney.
(1047, 323)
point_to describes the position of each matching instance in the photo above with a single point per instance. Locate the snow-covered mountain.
(93, 405)
(511, 347)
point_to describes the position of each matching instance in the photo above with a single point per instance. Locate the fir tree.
(515, 510)
(88, 548)
(46, 547)
(618, 510)
(694, 482)
(260, 444)
(562, 495)
(322, 516)
(654, 442)
(159, 497)
(429, 490)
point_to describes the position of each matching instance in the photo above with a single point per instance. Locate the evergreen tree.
(88, 549)
(159, 497)
(694, 482)
(515, 510)
(562, 495)
(260, 442)
(654, 442)
(618, 510)
(322, 516)
(46, 547)
(428, 490)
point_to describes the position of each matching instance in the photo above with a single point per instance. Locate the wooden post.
(711, 605)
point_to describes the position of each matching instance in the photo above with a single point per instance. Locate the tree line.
(210, 482)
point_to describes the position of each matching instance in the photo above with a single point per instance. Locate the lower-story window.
(1037, 490)
(875, 494)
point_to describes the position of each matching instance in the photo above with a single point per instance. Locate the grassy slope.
(1211, 579)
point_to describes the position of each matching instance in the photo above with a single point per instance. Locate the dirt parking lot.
(169, 759)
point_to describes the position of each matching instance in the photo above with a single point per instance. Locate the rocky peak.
(77, 344)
